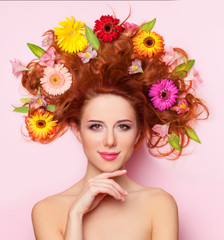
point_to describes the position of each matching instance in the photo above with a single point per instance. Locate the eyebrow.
(120, 121)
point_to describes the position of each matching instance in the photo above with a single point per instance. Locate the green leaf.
(38, 51)
(191, 133)
(23, 109)
(38, 91)
(25, 100)
(174, 141)
(51, 108)
(182, 69)
(148, 26)
(92, 38)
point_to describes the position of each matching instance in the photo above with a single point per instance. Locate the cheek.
(90, 140)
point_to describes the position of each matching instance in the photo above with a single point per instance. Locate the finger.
(97, 189)
(111, 174)
(113, 183)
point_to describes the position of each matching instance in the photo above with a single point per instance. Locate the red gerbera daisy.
(107, 28)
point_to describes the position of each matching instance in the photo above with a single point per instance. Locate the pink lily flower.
(87, 54)
(194, 76)
(172, 57)
(136, 67)
(161, 129)
(18, 67)
(37, 101)
(47, 41)
(130, 28)
(49, 57)
(182, 106)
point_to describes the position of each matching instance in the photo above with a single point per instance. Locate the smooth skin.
(105, 204)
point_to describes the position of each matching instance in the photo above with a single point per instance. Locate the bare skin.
(97, 207)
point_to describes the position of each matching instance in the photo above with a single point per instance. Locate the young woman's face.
(108, 131)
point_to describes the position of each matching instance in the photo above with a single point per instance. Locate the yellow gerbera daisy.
(148, 43)
(41, 126)
(71, 36)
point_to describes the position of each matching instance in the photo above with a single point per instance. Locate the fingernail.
(124, 170)
(125, 192)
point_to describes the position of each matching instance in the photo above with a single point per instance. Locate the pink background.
(30, 172)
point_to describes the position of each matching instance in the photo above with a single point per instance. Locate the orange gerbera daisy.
(41, 125)
(148, 43)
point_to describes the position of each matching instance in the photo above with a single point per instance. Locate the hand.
(95, 190)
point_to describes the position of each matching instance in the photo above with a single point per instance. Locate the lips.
(108, 156)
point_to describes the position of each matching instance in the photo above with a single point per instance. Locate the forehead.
(108, 107)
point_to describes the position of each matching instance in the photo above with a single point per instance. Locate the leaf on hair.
(92, 38)
(36, 50)
(25, 100)
(182, 69)
(174, 141)
(192, 134)
(23, 109)
(148, 26)
(51, 108)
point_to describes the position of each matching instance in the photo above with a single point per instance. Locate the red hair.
(108, 74)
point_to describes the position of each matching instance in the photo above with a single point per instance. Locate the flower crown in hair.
(74, 37)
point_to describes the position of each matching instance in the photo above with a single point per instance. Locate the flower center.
(164, 94)
(108, 28)
(149, 42)
(55, 79)
(40, 123)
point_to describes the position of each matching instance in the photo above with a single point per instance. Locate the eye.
(124, 127)
(96, 126)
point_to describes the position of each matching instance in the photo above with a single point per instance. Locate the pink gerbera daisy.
(56, 79)
(163, 94)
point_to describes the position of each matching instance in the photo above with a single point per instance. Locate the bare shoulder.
(157, 196)
(163, 212)
(49, 214)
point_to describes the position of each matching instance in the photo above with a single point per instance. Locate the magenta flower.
(182, 106)
(162, 130)
(136, 67)
(130, 28)
(47, 41)
(194, 76)
(163, 94)
(37, 101)
(49, 57)
(87, 54)
(18, 67)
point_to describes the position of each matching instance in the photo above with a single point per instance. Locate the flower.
(171, 56)
(148, 43)
(37, 101)
(182, 106)
(162, 130)
(136, 67)
(71, 37)
(130, 28)
(49, 57)
(18, 67)
(56, 79)
(48, 40)
(194, 76)
(163, 94)
(41, 126)
(87, 54)
(107, 28)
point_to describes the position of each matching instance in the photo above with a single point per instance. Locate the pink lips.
(108, 156)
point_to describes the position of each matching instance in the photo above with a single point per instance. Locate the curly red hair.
(108, 74)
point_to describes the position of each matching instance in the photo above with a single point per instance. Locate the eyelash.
(99, 126)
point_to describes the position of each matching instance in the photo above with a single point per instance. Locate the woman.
(114, 89)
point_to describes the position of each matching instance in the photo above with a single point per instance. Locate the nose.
(110, 138)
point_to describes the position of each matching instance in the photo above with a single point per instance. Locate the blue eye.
(96, 127)
(124, 127)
